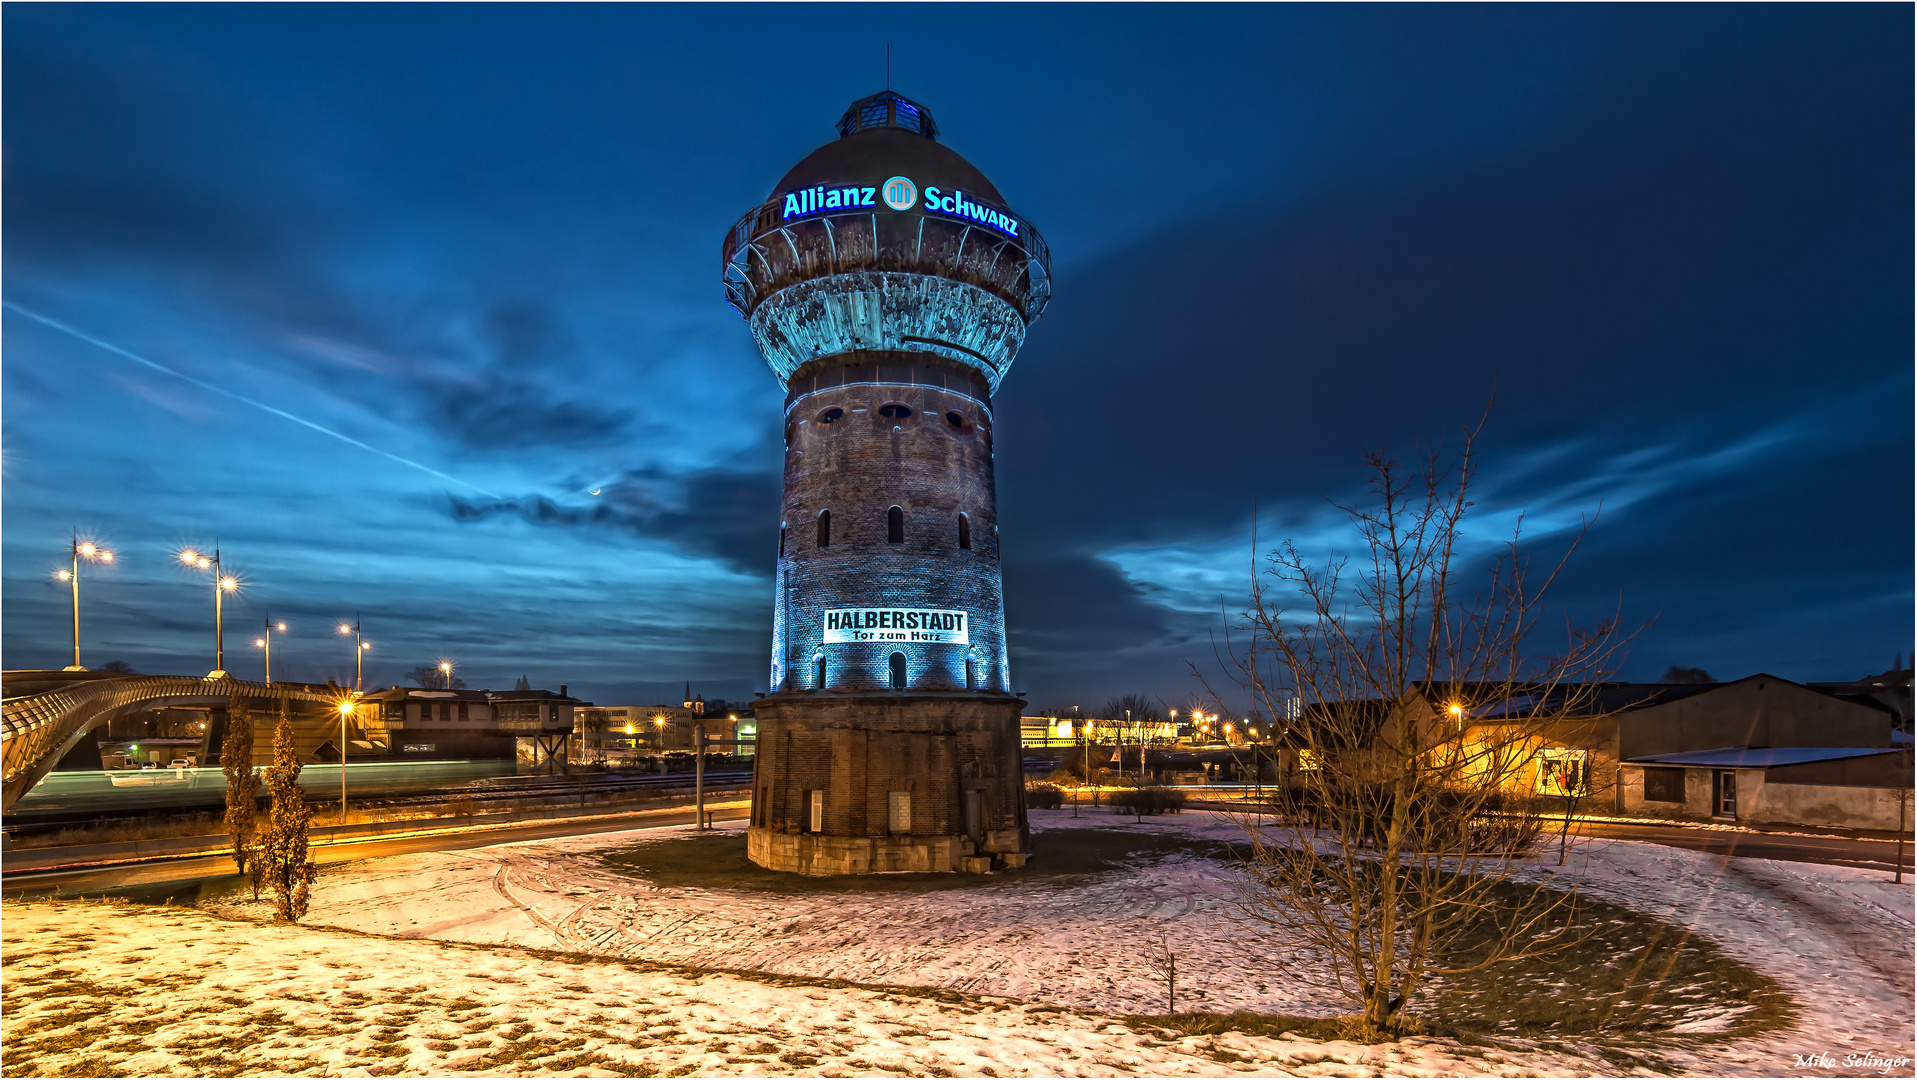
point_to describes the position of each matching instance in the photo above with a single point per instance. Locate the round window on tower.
(956, 419)
(893, 410)
(832, 415)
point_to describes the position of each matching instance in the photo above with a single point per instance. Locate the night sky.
(482, 244)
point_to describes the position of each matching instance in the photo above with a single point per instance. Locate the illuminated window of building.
(815, 810)
(825, 528)
(1565, 773)
(898, 671)
(895, 525)
(965, 532)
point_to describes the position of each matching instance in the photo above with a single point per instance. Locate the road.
(183, 879)
(1876, 854)
(1838, 850)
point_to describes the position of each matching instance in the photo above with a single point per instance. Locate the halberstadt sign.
(851, 625)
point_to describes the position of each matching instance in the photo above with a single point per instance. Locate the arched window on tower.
(898, 671)
(818, 664)
(782, 531)
(825, 528)
(965, 532)
(895, 525)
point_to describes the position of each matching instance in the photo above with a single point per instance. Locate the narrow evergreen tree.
(242, 783)
(282, 853)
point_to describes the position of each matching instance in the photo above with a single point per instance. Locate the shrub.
(1148, 800)
(1043, 796)
(281, 858)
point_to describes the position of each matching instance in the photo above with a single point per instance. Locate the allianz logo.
(899, 194)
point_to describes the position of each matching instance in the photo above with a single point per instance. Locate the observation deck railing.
(762, 253)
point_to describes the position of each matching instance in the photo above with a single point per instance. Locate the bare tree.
(242, 782)
(1162, 960)
(1416, 742)
(430, 677)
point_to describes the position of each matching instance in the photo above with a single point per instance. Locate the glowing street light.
(91, 552)
(345, 711)
(265, 641)
(359, 655)
(223, 583)
(446, 673)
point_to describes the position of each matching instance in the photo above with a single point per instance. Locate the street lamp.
(223, 583)
(446, 673)
(265, 641)
(91, 552)
(359, 652)
(345, 710)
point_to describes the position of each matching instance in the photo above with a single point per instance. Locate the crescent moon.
(595, 491)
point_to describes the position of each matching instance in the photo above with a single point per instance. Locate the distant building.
(1759, 750)
(616, 734)
(415, 724)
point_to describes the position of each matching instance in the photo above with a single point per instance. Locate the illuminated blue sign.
(956, 205)
(814, 200)
(898, 193)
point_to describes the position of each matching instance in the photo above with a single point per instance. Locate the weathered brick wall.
(858, 748)
(935, 465)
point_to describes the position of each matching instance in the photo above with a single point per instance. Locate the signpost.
(699, 743)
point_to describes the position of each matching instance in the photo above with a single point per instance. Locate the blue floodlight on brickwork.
(889, 286)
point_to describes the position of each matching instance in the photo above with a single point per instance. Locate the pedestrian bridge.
(45, 713)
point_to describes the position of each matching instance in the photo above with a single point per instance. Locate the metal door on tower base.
(1724, 794)
(974, 814)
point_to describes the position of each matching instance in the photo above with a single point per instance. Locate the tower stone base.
(880, 782)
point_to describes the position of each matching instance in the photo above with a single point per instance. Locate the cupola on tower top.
(885, 245)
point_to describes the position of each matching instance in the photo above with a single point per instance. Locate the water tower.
(889, 287)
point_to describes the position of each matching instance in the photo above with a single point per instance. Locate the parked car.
(182, 763)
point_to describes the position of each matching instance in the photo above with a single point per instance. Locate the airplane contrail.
(262, 406)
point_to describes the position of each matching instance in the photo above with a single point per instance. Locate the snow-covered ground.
(106, 990)
(1838, 939)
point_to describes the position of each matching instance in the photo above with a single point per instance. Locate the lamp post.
(91, 552)
(359, 655)
(265, 641)
(446, 673)
(223, 583)
(345, 710)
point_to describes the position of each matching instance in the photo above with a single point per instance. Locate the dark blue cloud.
(1674, 241)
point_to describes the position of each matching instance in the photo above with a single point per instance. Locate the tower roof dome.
(883, 136)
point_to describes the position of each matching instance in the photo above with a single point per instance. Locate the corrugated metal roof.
(1759, 757)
